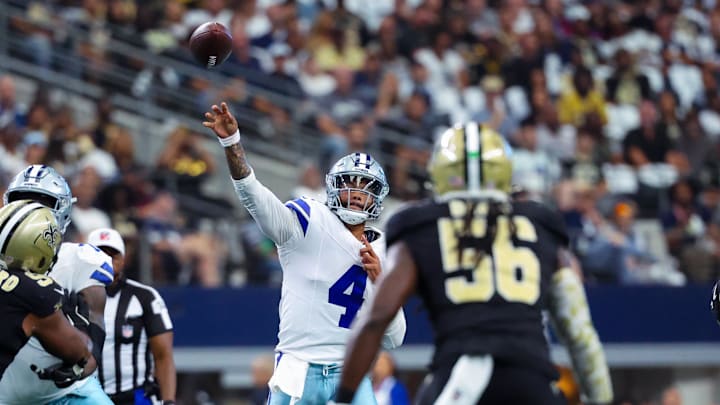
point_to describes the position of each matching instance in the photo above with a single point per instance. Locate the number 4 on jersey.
(354, 277)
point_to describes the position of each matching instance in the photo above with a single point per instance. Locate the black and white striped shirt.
(134, 313)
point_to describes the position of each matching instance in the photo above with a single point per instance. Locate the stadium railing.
(639, 327)
(153, 104)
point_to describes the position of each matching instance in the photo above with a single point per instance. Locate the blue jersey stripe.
(300, 216)
(102, 277)
(302, 210)
(305, 207)
(107, 267)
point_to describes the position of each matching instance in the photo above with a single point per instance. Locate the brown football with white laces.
(211, 44)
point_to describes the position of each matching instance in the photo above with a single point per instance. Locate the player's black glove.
(151, 389)
(715, 301)
(63, 375)
(77, 311)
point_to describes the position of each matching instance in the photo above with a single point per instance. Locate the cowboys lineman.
(30, 301)
(81, 269)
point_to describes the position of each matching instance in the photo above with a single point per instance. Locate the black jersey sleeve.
(156, 317)
(551, 220)
(395, 227)
(40, 295)
(407, 219)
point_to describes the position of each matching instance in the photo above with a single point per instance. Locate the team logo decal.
(127, 331)
(362, 161)
(51, 235)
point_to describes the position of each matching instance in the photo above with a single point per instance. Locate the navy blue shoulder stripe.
(302, 210)
(104, 274)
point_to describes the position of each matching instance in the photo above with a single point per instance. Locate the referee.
(137, 361)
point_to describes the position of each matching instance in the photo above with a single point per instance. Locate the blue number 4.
(357, 278)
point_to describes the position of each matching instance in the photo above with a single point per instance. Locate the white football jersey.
(324, 286)
(78, 266)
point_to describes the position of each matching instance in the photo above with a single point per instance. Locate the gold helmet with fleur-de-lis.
(29, 236)
(470, 158)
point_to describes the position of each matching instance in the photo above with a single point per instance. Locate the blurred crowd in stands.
(612, 108)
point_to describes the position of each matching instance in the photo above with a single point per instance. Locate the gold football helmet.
(29, 236)
(472, 158)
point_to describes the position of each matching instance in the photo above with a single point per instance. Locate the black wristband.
(344, 395)
(168, 402)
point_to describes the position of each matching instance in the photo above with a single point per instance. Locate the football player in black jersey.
(485, 267)
(30, 302)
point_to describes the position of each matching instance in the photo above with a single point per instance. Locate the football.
(211, 44)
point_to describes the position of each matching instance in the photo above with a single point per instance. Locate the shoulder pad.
(372, 234)
(546, 217)
(88, 256)
(301, 208)
(87, 253)
(407, 218)
(39, 292)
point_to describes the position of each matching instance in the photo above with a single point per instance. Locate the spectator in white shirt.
(533, 169)
(555, 138)
(211, 10)
(442, 62)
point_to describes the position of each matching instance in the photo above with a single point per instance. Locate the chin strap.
(351, 217)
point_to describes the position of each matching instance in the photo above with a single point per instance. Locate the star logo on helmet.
(362, 161)
(51, 235)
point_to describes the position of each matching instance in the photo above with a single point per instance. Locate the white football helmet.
(42, 184)
(356, 172)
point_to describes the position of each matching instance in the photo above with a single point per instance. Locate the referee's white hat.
(107, 237)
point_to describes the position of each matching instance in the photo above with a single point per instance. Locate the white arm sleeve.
(276, 220)
(570, 315)
(395, 333)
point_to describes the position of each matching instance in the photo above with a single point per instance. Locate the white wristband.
(230, 140)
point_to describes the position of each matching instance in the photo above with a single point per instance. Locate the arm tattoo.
(237, 163)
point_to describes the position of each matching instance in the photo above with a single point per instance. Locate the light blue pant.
(320, 385)
(91, 393)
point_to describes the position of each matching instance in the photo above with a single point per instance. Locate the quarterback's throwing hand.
(370, 261)
(221, 121)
